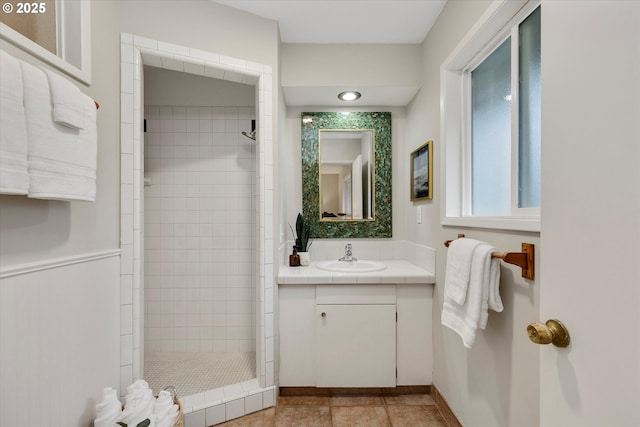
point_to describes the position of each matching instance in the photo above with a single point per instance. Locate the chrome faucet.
(348, 254)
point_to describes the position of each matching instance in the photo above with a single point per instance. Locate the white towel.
(136, 386)
(139, 404)
(165, 411)
(162, 421)
(62, 161)
(109, 410)
(69, 104)
(456, 279)
(495, 302)
(14, 174)
(482, 294)
(164, 401)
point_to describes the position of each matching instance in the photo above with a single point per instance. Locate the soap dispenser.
(294, 258)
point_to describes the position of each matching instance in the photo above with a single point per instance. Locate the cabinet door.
(355, 346)
(297, 317)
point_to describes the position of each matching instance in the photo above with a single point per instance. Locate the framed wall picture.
(422, 172)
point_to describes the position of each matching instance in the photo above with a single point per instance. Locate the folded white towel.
(62, 161)
(139, 405)
(482, 294)
(456, 279)
(164, 402)
(162, 421)
(14, 175)
(173, 414)
(69, 104)
(136, 386)
(165, 410)
(109, 410)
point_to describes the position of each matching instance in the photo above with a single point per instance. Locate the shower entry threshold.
(213, 387)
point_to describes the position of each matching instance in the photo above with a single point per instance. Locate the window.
(491, 133)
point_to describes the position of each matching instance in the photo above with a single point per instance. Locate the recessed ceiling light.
(350, 95)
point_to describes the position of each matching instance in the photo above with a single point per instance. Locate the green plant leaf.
(303, 231)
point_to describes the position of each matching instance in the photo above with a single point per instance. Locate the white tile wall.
(200, 226)
(381, 250)
(141, 50)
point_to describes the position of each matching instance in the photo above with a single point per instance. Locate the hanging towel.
(14, 174)
(458, 268)
(69, 104)
(494, 300)
(484, 280)
(62, 161)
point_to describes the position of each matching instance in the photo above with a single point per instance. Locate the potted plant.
(302, 240)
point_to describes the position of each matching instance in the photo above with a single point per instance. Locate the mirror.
(346, 174)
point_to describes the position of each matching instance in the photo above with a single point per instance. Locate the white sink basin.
(360, 266)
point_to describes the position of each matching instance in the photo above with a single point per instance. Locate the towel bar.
(524, 259)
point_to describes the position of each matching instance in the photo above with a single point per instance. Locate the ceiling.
(347, 22)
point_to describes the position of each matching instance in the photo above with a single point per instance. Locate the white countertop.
(396, 272)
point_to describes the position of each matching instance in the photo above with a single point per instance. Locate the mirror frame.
(380, 123)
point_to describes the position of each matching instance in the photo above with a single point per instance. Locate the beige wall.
(393, 65)
(203, 25)
(35, 230)
(211, 27)
(170, 88)
(496, 383)
(69, 312)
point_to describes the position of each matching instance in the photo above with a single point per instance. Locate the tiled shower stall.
(218, 404)
(200, 257)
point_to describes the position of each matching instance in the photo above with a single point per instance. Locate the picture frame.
(421, 178)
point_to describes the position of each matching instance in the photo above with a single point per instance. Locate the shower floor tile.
(192, 373)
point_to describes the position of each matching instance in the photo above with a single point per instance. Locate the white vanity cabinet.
(355, 335)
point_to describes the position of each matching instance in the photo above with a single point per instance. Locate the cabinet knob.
(323, 314)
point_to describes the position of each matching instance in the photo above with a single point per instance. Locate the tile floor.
(416, 410)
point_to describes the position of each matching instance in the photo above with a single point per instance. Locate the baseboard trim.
(355, 391)
(444, 408)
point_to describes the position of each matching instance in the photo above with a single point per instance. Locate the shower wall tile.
(200, 256)
(131, 143)
(253, 403)
(215, 415)
(268, 398)
(195, 419)
(235, 409)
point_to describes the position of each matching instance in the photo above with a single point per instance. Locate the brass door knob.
(552, 332)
